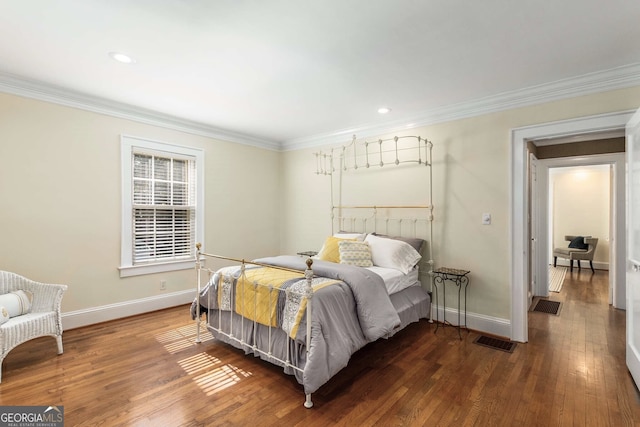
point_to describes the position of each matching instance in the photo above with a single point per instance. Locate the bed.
(363, 285)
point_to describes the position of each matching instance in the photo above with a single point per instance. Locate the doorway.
(584, 183)
(520, 208)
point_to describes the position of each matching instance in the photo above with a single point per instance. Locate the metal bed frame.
(307, 293)
(371, 154)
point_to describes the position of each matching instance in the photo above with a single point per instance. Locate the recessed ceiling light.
(384, 110)
(121, 57)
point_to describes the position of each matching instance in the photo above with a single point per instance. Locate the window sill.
(139, 270)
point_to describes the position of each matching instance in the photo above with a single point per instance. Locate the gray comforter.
(345, 317)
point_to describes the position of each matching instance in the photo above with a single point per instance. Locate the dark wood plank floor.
(147, 371)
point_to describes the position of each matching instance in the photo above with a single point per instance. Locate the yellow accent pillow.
(330, 250)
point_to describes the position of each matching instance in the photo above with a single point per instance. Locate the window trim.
(127, 146)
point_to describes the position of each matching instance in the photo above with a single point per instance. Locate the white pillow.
(16, 302)
(392, 253)
(4, 315)
(355, 253)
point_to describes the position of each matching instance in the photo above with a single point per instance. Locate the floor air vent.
(546, 306)
(495, 343)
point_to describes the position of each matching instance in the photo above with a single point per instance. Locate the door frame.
(519, 207)
(535, 279)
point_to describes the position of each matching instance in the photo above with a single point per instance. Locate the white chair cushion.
(4, 315)
(17, 302)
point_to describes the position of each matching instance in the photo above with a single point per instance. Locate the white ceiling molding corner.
(612, 79)
(602, 81)
(44, 92)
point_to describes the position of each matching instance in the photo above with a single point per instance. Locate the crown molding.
(601, 81)
(45, 92)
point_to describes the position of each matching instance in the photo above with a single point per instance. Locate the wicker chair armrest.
(46, 296)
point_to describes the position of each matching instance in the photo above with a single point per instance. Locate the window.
(162, 209)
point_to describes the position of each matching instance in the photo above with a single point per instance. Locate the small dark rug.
(495, 343)
(547, 306)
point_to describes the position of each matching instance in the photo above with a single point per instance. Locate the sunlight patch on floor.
(176, 340)
(198, 362)
(207, 371)
(220, 378)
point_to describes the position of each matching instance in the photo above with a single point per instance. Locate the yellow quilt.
(260, 303)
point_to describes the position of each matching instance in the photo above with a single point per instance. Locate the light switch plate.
(486, 219)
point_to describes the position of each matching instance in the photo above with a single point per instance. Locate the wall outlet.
(163, 285)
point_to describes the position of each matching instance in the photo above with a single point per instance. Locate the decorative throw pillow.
(392, 253)
(578, 243)
(4, 315)
(16, 302)
(330, 250)
(355, 253)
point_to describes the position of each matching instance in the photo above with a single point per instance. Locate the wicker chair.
(44, 318)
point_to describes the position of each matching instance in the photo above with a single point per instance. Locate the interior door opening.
(609, 165)
(521, 138)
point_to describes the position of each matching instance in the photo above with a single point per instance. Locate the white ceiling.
(286, 73)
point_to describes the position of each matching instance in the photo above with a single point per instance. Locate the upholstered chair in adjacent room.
(28, 310)
(580, 249)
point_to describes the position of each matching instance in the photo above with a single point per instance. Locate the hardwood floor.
(147, 370)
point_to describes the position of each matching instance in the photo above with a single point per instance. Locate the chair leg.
(578, 261)
(59, 341)
(555, 260)
(591, 265)
(1, 360)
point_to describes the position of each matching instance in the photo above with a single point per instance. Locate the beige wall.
(60, 200)
(60, 187)
(471, 177)
(580, 200)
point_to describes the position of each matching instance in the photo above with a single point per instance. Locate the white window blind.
(162, 206)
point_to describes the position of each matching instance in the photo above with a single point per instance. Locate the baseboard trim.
(91, 316)
(79, 318)
(478, 322)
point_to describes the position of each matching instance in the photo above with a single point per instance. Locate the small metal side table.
(459, 278)
(308, 253)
